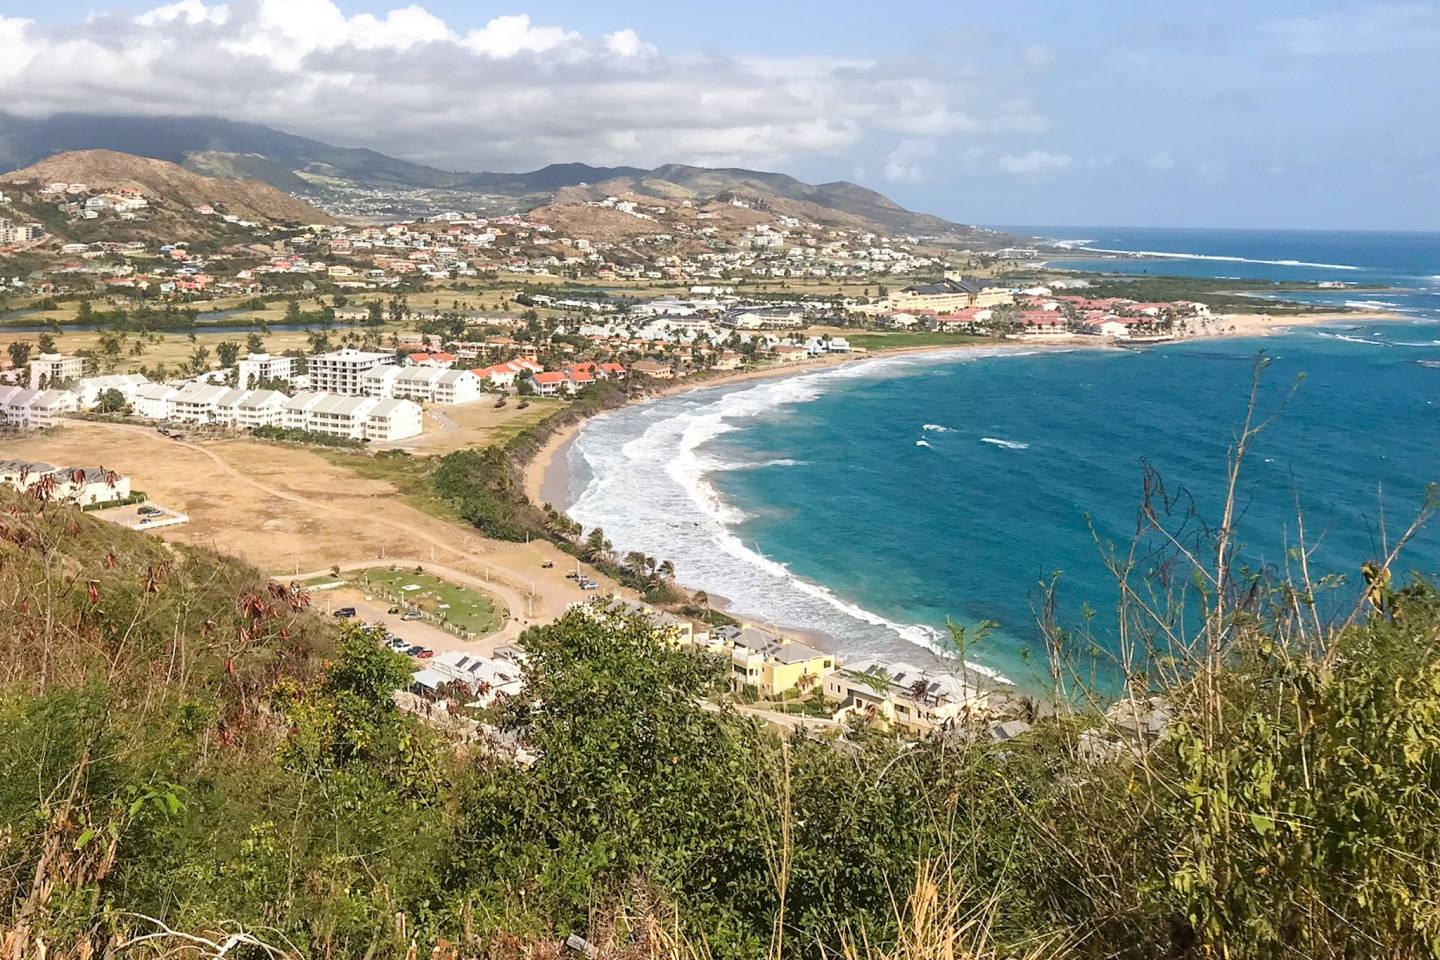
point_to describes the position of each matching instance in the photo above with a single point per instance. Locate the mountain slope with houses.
(90, 195)
(363, 183)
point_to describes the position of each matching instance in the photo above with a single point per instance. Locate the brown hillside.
(109, 170)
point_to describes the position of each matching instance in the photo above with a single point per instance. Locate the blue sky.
(1223, 114)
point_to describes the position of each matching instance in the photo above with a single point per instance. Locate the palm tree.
(667, 570)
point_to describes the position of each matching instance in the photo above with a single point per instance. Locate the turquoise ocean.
(876, 501)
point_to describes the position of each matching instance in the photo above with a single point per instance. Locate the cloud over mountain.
(513, 92)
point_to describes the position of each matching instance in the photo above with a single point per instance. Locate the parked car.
(414, 649)
(344, 613)
(393, 610)
(424, 653)
(589, 585)
(149, 511)
(411, 615)
(572, 575)
(546, 564)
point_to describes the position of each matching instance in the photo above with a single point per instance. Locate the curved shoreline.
(542, 477)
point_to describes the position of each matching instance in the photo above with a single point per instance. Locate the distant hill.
(111, 170)
(346, 180)
(173, 200)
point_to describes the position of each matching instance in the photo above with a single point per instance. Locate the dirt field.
(476, 424)
(292, 512)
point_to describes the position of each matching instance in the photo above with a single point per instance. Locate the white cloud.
(508, 36)
(1382, 28)
(1034, 163)
(510, 94)
(1160, 161)
(902, 165)
(190, 11)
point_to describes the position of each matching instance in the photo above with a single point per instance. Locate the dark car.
(344, 612)
(393, 610)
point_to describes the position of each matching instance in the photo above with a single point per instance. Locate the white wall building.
(195, 403)
(35, 409)
(342, 370)
(258, 367)
(82, 485)
(259, 408)
(53, 369)
(90, 389)
(152, 400)
(391, 420)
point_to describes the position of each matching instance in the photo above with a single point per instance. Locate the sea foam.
(649, 488)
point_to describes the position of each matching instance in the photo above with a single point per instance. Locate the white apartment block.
(259, 408)
(196, 403)
(35, 409)
(82, 485)
(295, 414)
(391, 420)
(434, 385)
(53, 369)
(258, 367)
(91, 389)
(379, 381)
(152, 400)
(359, 418)
(340, 416)
(342, 371)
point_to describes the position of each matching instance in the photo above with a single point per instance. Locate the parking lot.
(142, 516)
(414, 631)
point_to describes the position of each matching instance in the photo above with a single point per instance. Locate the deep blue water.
(875, 501)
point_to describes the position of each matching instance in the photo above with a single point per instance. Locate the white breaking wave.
(923, 443)
(651, 492)
(1007, 444)
(722, 467)
(1372, 304)
(934, 428)
(1341, 336)
(1165, 255)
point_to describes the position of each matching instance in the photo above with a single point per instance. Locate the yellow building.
(775, 665)
(950, 294)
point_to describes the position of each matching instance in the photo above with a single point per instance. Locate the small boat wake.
(1007, 444)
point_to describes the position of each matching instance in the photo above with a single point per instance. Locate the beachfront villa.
(905, 696)
(772, 664)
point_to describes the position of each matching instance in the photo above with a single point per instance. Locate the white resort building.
(343, 371)
(259, 367)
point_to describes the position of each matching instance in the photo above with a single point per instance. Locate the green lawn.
(468, 609)
(890, 341)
